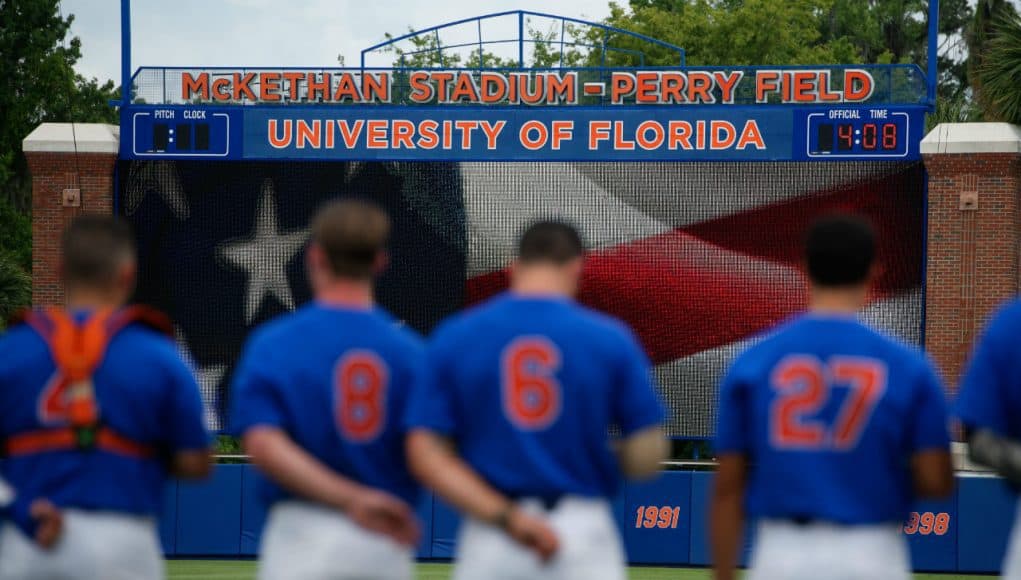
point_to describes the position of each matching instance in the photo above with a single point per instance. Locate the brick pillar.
(973, 238)
(60, 159)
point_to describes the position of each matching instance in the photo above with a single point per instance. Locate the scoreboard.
(577, 115)
(469, 133)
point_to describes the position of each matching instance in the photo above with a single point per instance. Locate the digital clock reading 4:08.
(858, 136)
(858, 133)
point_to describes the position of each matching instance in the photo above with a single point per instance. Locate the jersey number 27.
(361, 379)
(804, 385)
(531, 393)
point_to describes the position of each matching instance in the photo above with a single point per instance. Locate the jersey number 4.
(531, 393)
(804, 385)
(361, 379)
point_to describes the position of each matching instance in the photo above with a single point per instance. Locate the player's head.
(98, 260)
(349, 240)
(549, 258)
(840, 252)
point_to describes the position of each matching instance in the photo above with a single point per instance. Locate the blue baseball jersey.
(529, 388)
(829, 413)
(145, 392)
(990, 393)
(336, 380)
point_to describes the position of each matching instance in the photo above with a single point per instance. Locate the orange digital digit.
(531, 393)
(942, 524)
(361, 379)
(927, 521)
(651, 514)
(912, 526)
(666, 517)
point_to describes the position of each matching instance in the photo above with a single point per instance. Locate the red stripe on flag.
(719, 281)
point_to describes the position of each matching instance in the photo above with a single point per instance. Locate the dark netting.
(697, 257)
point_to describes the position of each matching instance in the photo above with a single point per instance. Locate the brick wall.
(51, 174)
(973, 256)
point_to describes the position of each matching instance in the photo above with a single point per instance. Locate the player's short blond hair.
(351, 233)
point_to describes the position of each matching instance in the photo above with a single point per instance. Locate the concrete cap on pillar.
(951, 138)
(86, 138)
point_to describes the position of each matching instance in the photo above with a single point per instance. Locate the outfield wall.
(967, 533)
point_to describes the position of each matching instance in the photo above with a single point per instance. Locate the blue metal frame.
(126, 76)
(521, 14)
(933, 53)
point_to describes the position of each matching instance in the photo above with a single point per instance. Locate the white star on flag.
(264, 256)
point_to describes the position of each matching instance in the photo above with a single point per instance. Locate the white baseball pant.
(785, 550)
(304, 541)
(590, 546)
(94, 546)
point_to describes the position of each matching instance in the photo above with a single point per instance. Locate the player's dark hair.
(550, 241)
(352, 233)
(94, 247)
(840, 250)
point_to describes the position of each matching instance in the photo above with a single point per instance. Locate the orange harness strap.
(77, 351)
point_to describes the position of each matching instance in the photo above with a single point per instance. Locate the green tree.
(786, 32)
(725, 32)
(37, 67)
(15, 289)
(1000, 72)
(979, 37)
(15, 236)
(896, 31)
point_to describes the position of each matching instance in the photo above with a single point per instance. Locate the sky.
(273, 33)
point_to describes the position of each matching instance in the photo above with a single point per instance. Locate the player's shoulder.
(893, 350)
(401, 335)
(282, 329)
(17, 344)
(462, 324)
(600, 325)
(766, 345)
(1006, 320)
(140, 342)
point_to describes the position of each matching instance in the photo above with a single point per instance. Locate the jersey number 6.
(804, 385)
(360, 379)
(531, 393)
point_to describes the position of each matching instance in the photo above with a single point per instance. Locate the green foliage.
(728, 32)
(38, 67)
(979, 40)
(15, 236)
(227, 445)
(953, 109)
(15, 288)
(1000, 72)
(426, 51)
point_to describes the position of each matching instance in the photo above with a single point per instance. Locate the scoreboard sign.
(460, 115)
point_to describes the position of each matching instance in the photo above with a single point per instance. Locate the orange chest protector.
(69, 399)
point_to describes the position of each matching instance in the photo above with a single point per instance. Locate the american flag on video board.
(697, 257)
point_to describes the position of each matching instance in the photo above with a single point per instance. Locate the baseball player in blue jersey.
(989, 407)
(98, 409)
(827, 432)
(526, 388)
(318, 400)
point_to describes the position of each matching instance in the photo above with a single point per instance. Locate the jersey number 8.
(531, 393)
(804, 385)
(360, 379)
